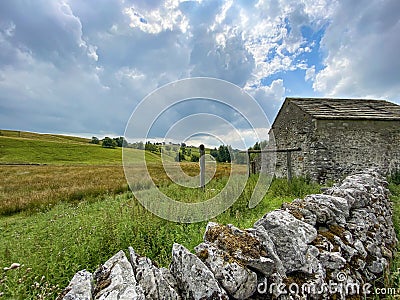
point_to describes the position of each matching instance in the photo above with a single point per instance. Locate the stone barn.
(337, 136)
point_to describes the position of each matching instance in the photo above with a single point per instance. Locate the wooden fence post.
(248, 163)
(202, 161)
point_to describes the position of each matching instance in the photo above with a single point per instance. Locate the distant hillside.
(19, 147)
(43, 136)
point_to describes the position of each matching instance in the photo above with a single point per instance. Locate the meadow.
(74, 210)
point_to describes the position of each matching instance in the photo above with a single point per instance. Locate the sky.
(82, 67)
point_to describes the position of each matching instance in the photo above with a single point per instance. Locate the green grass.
(51, 246)
(15, 150)
(82, 221)
(393, 278)
(43, 136)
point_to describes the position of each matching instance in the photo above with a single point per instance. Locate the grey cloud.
(49, 82)
(47, 30)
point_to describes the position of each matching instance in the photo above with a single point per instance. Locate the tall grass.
(393, 278)
(52, 245)
(36, 188)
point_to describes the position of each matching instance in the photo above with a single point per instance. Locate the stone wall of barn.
(332, 149)
(342, 147)
(292, 129)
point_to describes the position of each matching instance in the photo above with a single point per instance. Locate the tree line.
(108, 142)
(224, 153)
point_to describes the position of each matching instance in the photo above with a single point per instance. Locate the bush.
(108, 143)
(394, 177)
(95, 140)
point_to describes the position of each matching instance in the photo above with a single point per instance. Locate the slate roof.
(326, 108)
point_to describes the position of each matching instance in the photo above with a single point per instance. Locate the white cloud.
(166, 17)
(362, 52)
(64, 63)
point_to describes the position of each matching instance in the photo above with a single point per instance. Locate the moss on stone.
(233, 243)
(337, 230)
(203, 254)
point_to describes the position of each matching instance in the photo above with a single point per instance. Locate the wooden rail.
(252, 165)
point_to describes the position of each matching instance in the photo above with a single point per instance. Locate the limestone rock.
(290, 237)
(237, 280)
(358, 245)
(80, 287)
(241, 245)
(150, 278)
(166, 273)
(194, 279)
(327, 209)
(261, 234)
(332, 260)
(116, 280)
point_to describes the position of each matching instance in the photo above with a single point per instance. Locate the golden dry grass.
(31, 187)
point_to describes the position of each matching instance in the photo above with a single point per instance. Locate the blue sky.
(81, 67)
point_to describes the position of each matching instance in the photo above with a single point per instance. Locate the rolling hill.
(18, 147)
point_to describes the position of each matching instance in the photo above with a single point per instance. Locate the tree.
(139, 145)
(194, 158)
(95, 140)
(256, 146)
(120, 141)
(214, 153)
(179, 157)
(223, 154)
(108, 143)
(183, 149)
(151, 147)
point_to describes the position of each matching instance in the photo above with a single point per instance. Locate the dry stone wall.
(333, 245)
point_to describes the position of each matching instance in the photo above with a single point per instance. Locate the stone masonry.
(337, 136)
(333, 245)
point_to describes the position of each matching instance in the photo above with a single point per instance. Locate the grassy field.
(393, 279)
(58, 218)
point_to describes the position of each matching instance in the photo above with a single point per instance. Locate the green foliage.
(108, 143)
(183, 150)
(179, 157)
(120, 141)
(394, 177)
(95, 140)
(194, 158)
(151, 147)
(214, 153)
(240, 158)
(222, 154)
(137, 145)
(297, 187)
(56, 243)
(393, 278)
